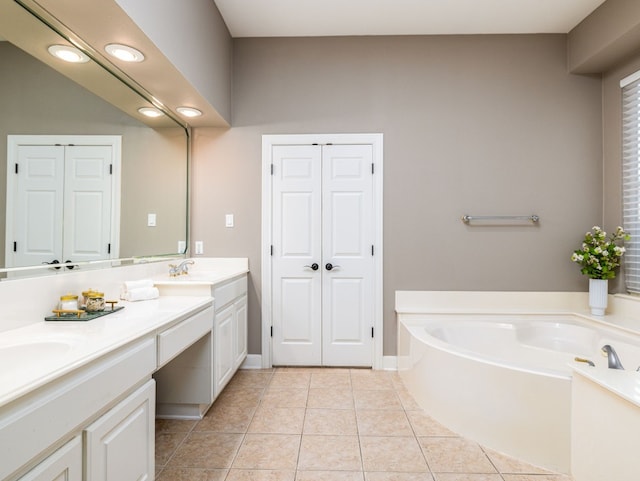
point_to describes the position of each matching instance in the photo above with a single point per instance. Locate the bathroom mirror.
(36, 99)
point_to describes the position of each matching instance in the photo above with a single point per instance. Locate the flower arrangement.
(599, 255)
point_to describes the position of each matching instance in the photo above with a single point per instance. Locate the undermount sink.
(33, 352)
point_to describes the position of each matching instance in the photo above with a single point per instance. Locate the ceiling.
(304, 18)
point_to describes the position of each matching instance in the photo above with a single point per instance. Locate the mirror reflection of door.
(60, 199)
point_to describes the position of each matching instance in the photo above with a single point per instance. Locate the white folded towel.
(141, 294)
(129, 285)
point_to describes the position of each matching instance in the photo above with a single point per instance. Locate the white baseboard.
(253, 361)
(389, 363)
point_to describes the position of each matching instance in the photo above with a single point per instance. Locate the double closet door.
(322, 255)
(59, 207)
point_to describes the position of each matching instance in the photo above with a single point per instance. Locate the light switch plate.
(182, 246)
(228, 220)
(151, 220)
(199, 247)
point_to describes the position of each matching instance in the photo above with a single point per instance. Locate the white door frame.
(268, 141)
(115, 141)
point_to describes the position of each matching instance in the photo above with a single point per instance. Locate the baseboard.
(389, 363)
(253, 361)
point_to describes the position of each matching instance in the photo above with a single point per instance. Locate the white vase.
(598, 291)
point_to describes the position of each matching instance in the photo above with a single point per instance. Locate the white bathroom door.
(322, 265)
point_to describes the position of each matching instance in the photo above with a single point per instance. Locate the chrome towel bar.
(531, 218)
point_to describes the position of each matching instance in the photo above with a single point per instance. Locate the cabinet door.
(63, 465)
(224, 347)
(120, 445)
(240, 331)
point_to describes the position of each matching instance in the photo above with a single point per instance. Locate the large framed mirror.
(38, 100)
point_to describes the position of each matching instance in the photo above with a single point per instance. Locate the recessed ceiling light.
(150, 112)
(68, 53)
(189, 111)
(124, 52)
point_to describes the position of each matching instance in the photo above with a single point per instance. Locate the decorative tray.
(81, 315)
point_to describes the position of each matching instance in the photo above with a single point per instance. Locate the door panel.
(38, 205)
(296, 294)
(347, 245)
(87, 197)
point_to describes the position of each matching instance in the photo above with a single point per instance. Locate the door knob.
(313, 266)
(52, 263)
(330, 266)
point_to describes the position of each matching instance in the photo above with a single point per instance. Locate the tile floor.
(291, 424)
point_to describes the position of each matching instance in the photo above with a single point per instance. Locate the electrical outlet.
(199, 246)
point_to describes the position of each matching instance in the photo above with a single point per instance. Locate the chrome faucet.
(180, 269)
(612, 357)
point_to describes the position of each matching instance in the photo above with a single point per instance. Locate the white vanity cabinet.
(120, 444)
(230, 329)
(63, 465)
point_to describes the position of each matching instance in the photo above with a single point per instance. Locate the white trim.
(252, 361)
(268, 141)
(629, 79)
(114, 141)
(390, 363)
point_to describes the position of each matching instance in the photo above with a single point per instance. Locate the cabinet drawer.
(177, 338)
(226, 293)
(65, 463)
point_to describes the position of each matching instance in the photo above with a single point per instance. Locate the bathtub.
(505, 380)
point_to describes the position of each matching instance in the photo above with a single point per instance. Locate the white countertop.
(36, 354)
(207, 271)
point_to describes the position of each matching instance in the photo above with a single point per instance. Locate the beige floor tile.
(174, 425)
(509, 465)
(369, 399)
(277, 420)
(537, 477)
(330, 398)
(330, 421)
(467, 477)
(191, 474)
(327, 453)
(395, 454)
(407, 400)
(268, 451)
(206, 450)
(368, 379)
(455, 455)
(424, 425)
(330, 476)
(284, 398)
(226, 419)
(166, 445)
(384, 476)
(291, 379)
(249, 379)
(333, 378)
(383, 423)
(260, 475)
(245, 397)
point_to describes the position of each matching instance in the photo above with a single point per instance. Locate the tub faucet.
(612, 357)
(180, 269)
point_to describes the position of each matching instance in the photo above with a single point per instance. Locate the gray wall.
(195, 39)
(472, 125)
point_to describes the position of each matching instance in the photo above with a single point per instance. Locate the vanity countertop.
(41, 352)
(207, 271)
